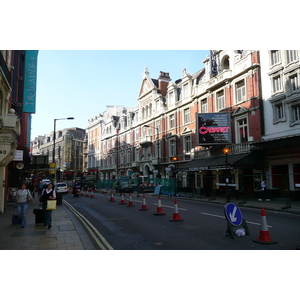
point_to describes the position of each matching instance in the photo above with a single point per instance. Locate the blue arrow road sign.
(233, 214)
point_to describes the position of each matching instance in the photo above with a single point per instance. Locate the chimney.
(163, 81)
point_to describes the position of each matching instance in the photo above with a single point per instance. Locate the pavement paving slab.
(66, 233)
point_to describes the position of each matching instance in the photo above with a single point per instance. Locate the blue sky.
(80, 83)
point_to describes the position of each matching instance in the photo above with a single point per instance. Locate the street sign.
(233, 214)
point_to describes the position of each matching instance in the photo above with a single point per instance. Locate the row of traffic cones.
(159, 212)
(264, 235)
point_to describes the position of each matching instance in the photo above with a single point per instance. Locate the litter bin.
(58, 199)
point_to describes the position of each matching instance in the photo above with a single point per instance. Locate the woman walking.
(47, 194)
(23, 198)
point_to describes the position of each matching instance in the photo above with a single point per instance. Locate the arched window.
(225, 63)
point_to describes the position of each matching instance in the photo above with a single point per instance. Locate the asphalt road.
(203, 226)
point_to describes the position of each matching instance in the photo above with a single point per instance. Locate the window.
(220, 100)
(171, 98)
(275, 59)
(293, 82)
(240, 91)
(157, 125)
(137, 154)
(204, 106)
(277, 84)
(187, 144)
(291, 56)
(128, 160)
(186, 116)
(296, 114)
(172, 148)
(186, 91)
(172, 121)
(278, 112)
(242, 128)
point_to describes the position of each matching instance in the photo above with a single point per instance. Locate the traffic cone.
(176, 217)
(144, 207)
(112, 199)
(87, 193)
(159, 211)
(122, 200)
(130, 204)
(264, 235)
(82, 193)
(92, 194)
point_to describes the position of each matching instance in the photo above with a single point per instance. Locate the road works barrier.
(159, 211)
(264, 235)
(130, 203)
(176, 217)
(144, 206)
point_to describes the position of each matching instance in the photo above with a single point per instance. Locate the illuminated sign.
(213, 128)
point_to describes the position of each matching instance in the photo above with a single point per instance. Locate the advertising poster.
(213, 129)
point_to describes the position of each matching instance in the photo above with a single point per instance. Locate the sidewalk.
(66, 232)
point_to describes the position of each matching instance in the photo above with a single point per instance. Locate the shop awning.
(219, 162)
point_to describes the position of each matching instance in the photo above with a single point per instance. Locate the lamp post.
(158, 156)
(226, 151)
(54, 138)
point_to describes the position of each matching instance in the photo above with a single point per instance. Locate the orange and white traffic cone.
(122, 200)
(87, 193)
(159, 211)
(130, 203)
(144, 206)
(112, 199)
(176, 217)
(264, 235)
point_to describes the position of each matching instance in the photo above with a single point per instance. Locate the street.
(203, 227)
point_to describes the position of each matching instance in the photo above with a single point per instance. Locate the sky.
(80, 83)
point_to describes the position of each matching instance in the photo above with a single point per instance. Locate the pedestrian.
(263, 191)
(41, 185)
(23, 198)
(47, 194)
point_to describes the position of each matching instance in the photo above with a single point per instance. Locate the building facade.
(281, 140)
(180, 128)
(69, 151)
(18, 72)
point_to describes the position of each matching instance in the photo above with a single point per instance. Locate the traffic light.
(174, 158)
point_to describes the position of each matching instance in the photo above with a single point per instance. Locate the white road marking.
(218, 216)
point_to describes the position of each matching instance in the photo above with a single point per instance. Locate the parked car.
(46, 181)
(61, 188)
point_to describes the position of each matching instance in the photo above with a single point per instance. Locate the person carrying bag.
(23, 198)
(48, 200)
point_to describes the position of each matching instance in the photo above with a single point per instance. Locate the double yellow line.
(97, 236)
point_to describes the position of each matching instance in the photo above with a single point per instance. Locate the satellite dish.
(20, 166)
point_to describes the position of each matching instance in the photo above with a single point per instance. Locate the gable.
(240, 110)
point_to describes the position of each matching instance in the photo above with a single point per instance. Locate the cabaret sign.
(213, 128)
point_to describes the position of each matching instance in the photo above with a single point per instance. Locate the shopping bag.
(51, 205)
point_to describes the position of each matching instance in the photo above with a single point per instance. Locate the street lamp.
(158, 156)
(226, 151)
(54, 138)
